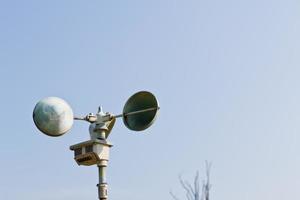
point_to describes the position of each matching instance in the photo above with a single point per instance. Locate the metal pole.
(136, 112)
(102, 185)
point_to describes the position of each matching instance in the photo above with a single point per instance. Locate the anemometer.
(54, 117)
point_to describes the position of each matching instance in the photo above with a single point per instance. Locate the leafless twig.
(192, 192)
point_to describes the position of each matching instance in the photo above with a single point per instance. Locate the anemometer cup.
(140, 101)
(53, 116)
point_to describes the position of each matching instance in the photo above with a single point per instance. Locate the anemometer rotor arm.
(136, 112)
(89, 118)
(108, 117)
(100, 117)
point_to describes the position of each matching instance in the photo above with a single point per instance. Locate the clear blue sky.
(226, 74)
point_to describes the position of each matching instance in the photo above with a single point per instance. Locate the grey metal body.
(138, 114)
(99, 155)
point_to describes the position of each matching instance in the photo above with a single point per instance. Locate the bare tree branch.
(207, 184)
(189, 194)
(173, 195)
(193, 191)
(196, 186)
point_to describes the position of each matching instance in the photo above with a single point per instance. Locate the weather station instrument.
(54, 117)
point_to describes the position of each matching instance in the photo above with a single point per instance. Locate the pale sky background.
(226, 74)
